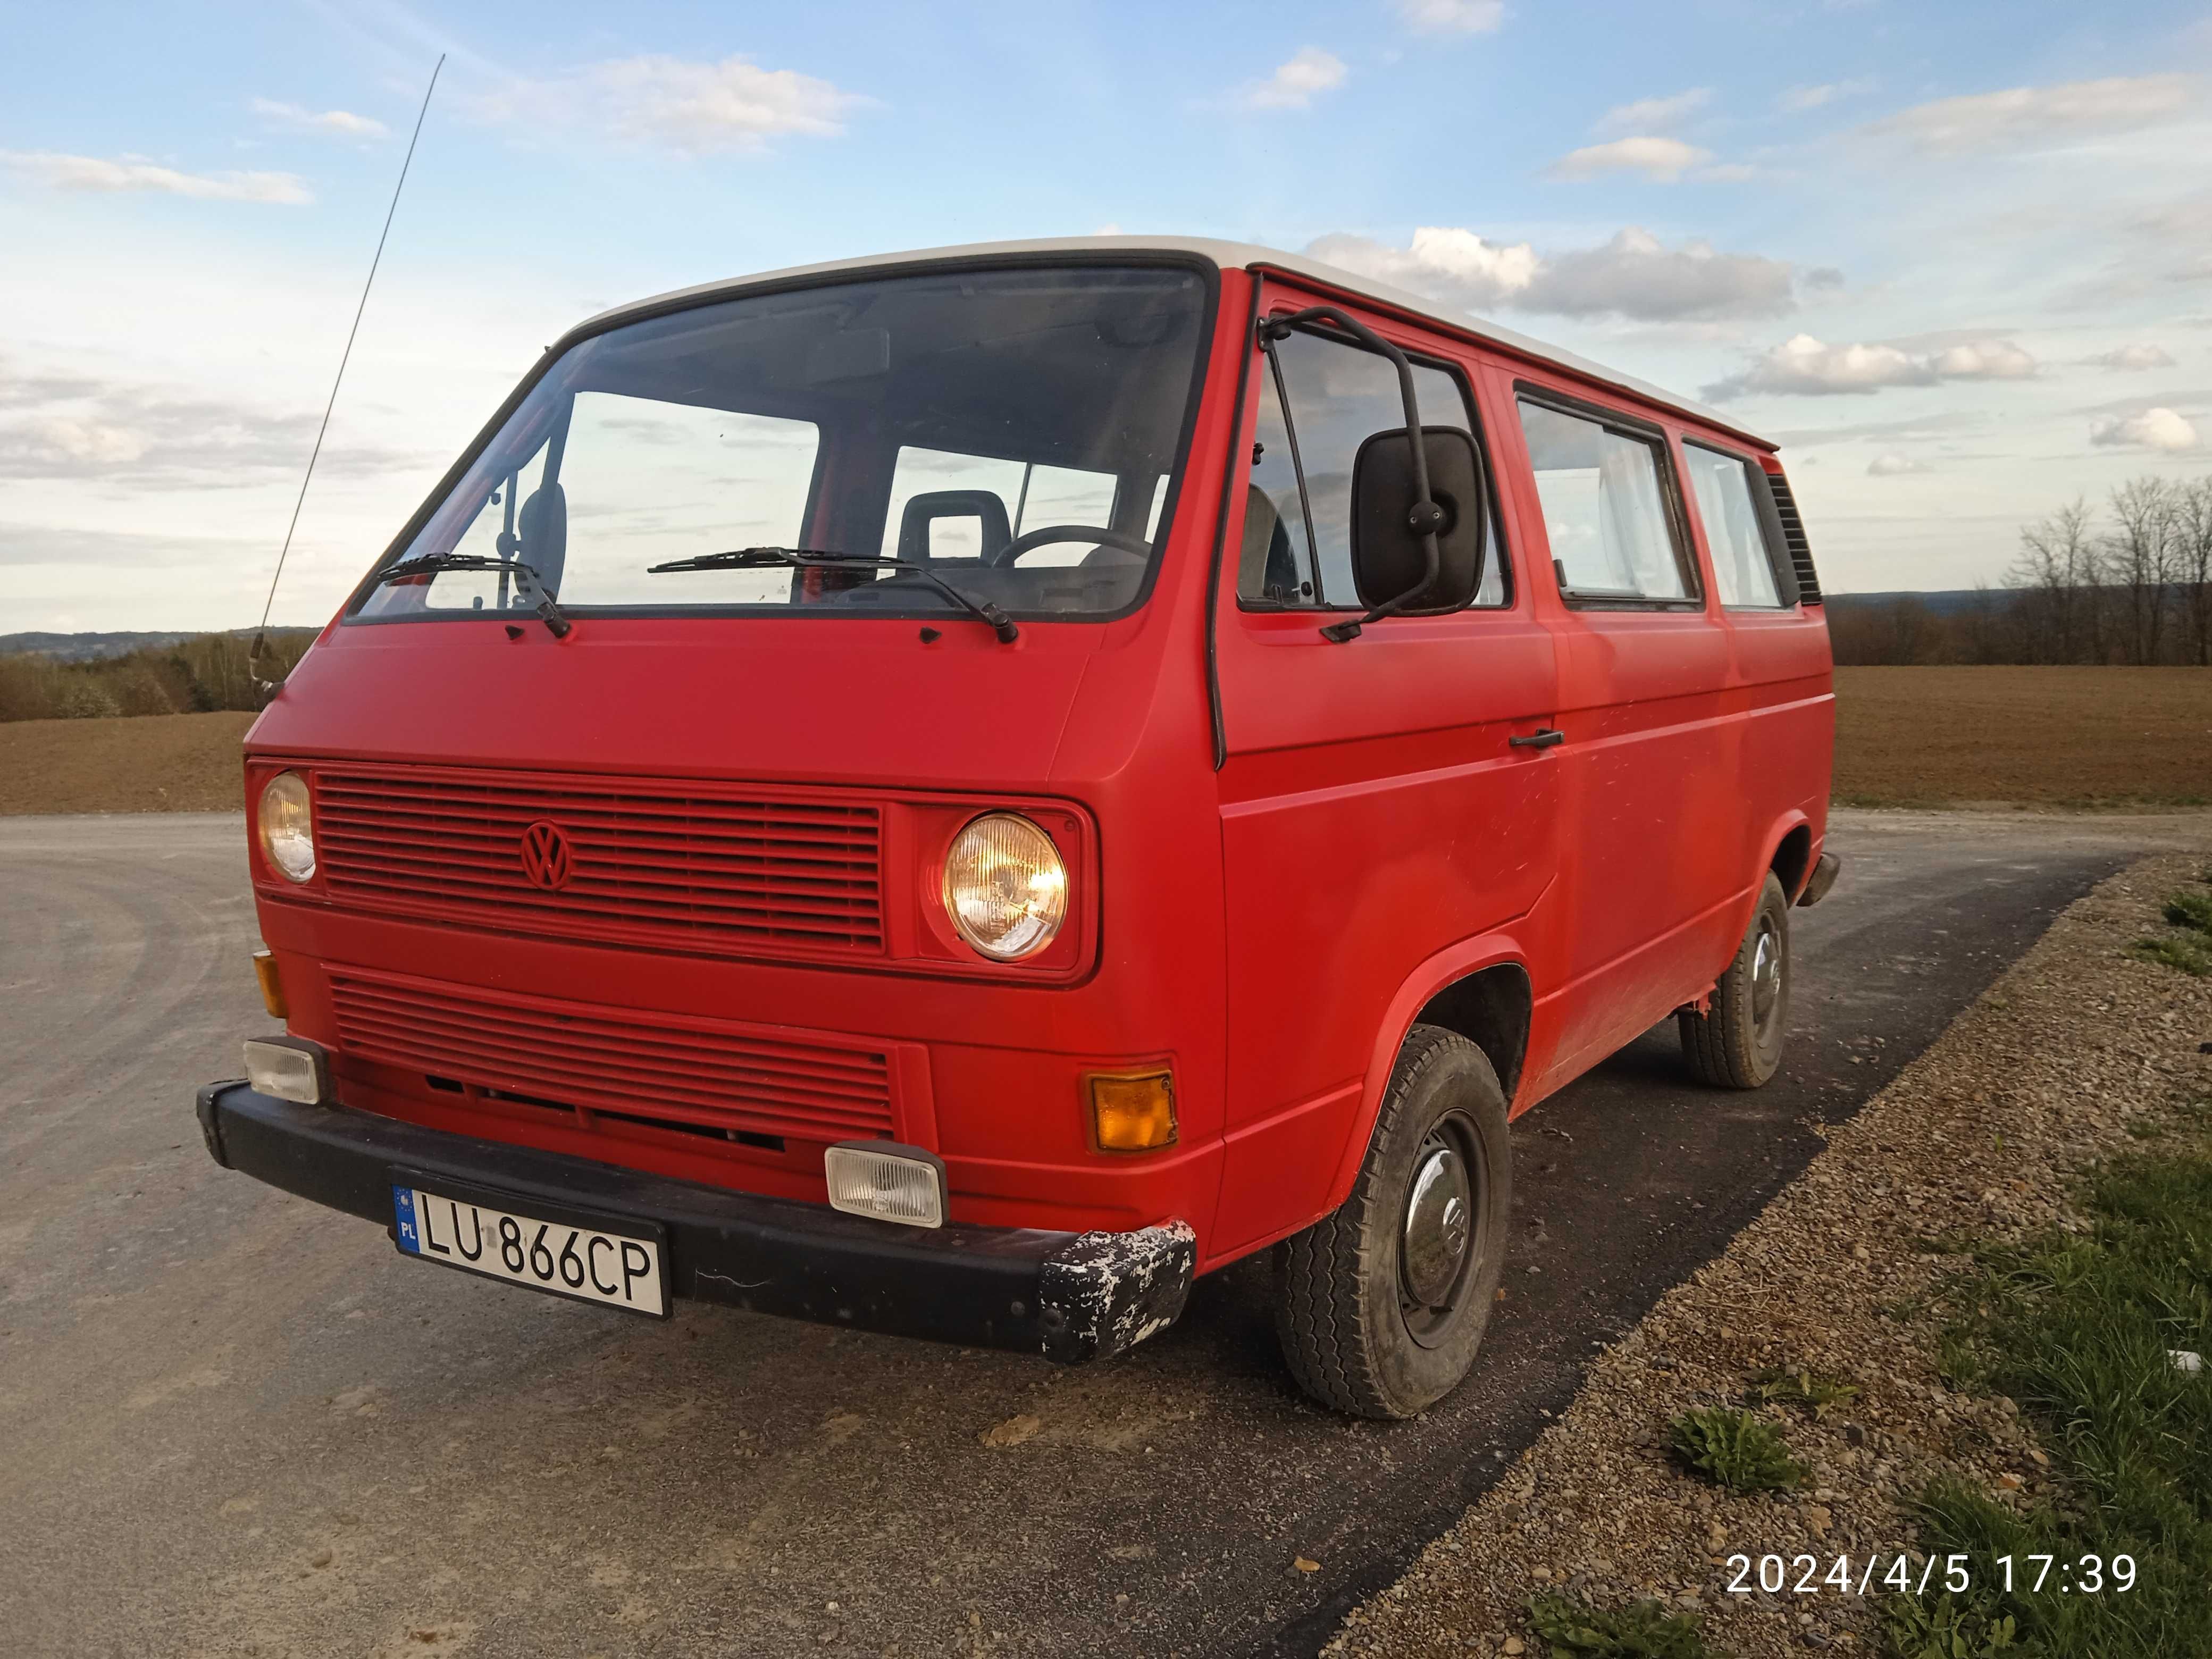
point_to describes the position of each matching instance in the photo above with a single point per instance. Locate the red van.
(949, 794)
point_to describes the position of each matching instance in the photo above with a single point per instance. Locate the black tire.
(1356, 1333)
(1738, 1044)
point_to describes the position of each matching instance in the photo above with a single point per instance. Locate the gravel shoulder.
(1980, 1138)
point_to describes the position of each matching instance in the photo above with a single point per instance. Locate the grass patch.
(2077, 1328)
(2189, 952)
(1738, 1449)
(2190, 910)
(1969, 1626)
(1808, 1390)
(1572, 1629)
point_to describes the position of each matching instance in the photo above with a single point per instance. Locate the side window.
(1298, 543)
(1743, 562)
(1605, 507)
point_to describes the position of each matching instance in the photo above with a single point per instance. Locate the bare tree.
(2057, 575)
(2139, 554)
(2193, 535)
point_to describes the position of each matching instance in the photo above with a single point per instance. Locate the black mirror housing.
(1389, 559)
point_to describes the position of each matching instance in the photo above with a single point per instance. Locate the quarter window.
(1743, 560)
(1320, 399)
(1605, 507)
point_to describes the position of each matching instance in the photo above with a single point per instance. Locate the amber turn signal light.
(272, 987)
(1132, 1112)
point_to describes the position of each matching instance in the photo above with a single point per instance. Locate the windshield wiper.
(821, 558)
(429, 564)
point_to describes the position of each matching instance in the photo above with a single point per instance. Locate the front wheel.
(1737, 1043)
(1382, 1306)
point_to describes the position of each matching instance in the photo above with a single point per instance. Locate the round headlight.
(288, 827)
(1006, 888)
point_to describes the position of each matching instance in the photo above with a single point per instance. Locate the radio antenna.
(259, 653)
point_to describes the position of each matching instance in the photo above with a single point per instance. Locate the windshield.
(1016, 432)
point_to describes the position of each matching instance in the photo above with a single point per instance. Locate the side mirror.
(266, 669)
(1389, 561)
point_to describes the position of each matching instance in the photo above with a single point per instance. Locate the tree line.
(2130, 582)
(194, 676)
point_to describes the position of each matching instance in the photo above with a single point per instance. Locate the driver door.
(1373, 812)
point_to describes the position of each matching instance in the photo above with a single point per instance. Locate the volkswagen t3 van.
(948, 794)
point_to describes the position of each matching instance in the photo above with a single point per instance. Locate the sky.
(1956, 259)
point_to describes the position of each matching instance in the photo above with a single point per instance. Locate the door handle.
(1548, 738)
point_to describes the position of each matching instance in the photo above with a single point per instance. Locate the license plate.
(569, 1255)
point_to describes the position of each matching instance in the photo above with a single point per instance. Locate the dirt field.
(159, 763)
(2048, 737)
(1904, 737)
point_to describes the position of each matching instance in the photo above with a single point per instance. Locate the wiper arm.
(821, 558)
(429, 564)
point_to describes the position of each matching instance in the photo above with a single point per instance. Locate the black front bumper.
(1071, 1297)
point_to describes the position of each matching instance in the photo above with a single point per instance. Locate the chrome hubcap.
(1439, 1223)
(1765, 975)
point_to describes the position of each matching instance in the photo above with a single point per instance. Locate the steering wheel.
(1029, 540)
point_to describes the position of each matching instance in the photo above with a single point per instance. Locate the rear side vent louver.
(1793, 535)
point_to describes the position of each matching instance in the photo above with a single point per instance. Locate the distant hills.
(1942, 601)
(95, 648)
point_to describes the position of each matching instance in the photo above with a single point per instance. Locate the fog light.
(886, 1180)
(1132, 1112)
(272, 987)
(290, 1068)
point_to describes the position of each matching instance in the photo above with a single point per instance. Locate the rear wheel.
(1737, 1043)
(1382, 1306)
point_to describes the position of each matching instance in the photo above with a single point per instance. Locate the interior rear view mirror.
(1389, 558)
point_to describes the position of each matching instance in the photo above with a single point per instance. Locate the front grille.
(693, 865)
(1793, 537)
(668, 1068)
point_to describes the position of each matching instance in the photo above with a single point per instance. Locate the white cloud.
(67, 443)
(135, 173)
(1651, 114)
(1453, 16)
(697, 107)
(1296, 84)
(1632, 275)
(1635, 274)
(2022, 116)
(2154, 428)
(2144, 356)
(1797, 100)
(338, 123)
(1664, 159)
(1444, 262)
(1890, 464)
(72, 430)
(1983, 360)
(1805, 366)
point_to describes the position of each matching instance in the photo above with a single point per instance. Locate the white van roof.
(1227, 256)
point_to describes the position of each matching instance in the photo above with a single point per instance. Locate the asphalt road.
(233, 1422)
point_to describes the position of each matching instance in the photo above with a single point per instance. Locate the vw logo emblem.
(545, 856)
